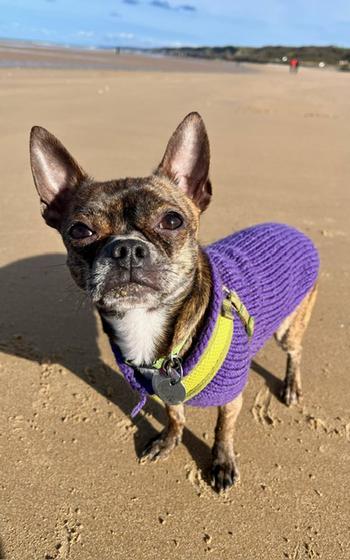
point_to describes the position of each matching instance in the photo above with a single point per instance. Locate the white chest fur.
(138, 333)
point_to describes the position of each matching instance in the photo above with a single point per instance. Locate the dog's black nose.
(130, 252)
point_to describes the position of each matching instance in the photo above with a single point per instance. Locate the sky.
(155, 23)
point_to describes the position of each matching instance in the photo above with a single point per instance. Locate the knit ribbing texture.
(271, 267)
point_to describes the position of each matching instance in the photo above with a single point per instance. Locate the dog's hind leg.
(290, 335)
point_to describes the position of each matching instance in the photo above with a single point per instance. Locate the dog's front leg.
(161, 446)
(224, 469)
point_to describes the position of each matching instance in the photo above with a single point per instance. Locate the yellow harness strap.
(213, 356)
(218, 345)
(243, 313)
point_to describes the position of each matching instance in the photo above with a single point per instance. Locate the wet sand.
(23, 55)
(71, 485)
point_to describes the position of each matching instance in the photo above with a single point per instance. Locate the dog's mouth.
(130, 285)
(126, 294)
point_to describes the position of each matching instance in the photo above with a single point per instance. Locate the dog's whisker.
(64, 264)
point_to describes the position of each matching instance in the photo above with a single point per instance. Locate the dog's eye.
(80, 231)
(171, 220)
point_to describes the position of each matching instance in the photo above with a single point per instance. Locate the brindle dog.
(133, 246)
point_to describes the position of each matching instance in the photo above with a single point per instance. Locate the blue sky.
(152, 23)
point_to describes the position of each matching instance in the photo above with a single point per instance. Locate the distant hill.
(309, 55)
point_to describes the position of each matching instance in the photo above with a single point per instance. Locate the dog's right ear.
(55, 173)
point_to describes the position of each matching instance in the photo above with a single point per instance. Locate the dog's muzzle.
(127, 253)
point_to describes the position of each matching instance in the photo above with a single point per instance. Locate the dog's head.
(131, 242)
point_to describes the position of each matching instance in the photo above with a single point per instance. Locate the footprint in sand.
(68, 532)
(262, 409)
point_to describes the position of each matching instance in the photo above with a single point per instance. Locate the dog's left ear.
(186, 160)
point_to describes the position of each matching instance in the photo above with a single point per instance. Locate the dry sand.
(71, 485)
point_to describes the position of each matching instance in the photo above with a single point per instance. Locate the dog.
(184, 322)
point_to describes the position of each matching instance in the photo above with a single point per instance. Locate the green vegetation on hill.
(308, 55)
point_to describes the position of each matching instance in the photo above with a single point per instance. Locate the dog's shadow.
(44, 317)
(274, 384)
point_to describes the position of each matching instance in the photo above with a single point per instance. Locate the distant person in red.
(293, 65)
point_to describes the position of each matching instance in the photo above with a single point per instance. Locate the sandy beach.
(71, 485)
(26, 55)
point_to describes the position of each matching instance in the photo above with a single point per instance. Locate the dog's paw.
(160, 447)
(224, 474)
(291, 394)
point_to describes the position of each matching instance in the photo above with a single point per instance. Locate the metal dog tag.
(167, 390)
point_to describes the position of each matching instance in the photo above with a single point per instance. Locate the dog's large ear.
(186, 160)
(55, 173)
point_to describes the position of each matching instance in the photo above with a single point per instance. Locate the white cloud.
(83, 33)
(121, 35)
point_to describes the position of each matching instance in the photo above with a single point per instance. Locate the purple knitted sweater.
(271, 267)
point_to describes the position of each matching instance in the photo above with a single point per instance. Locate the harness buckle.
(232, 300)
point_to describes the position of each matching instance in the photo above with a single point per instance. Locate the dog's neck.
(144, 335)
(138, 332)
